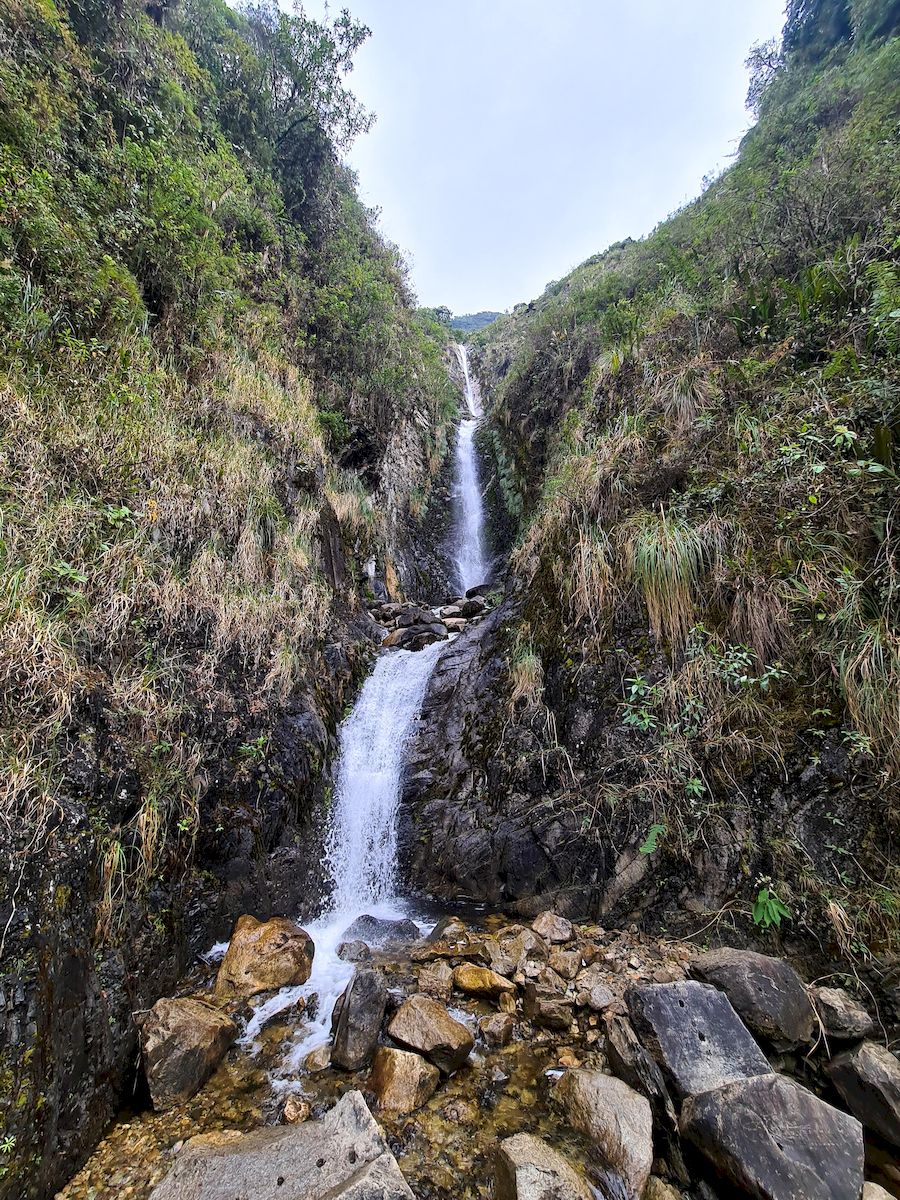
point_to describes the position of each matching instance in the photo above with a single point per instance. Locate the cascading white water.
(361, 852)
(469, 555)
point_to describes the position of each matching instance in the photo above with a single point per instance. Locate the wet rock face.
(528, 1169)
(343, 1155)
(615, 1118)
(379, 931)
(774, 1140)
(868, 1078)
(766, 993)
(423, 1025)
(695, 1035)
(401, 1081)
(477, 847)
(263, 956)
(360, 1012)
(182, 1043)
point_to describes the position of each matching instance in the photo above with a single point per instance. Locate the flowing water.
(361, 852)
(472, 567)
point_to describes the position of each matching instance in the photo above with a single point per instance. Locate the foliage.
(205, 348)
(697, 434)
(768, 910)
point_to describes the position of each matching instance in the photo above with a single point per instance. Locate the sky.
(515, 138)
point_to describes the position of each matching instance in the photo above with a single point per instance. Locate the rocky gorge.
(437, 770)
(534, 1061)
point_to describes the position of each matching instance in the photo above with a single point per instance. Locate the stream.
(361, 851)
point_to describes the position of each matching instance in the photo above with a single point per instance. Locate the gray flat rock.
(695, 1035)
(773, 1140)
(342, 1157)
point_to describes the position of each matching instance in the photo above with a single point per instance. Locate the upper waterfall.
(471, 562)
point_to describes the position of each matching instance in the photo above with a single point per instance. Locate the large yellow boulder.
(263, 956)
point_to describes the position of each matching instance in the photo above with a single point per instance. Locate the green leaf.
(651, 842)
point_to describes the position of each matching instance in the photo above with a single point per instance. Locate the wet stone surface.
(446, 1149)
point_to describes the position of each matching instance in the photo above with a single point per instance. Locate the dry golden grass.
(144, 540)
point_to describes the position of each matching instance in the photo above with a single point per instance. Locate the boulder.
(843, 1018)
(553, 928)
(380, 931)
(359, 1016)
(773, 1140)
(546, 1008)
(354, 952)
(497, 1029)
(416, 637)
(344, 1157)
(766, 993)
(566, 963)
(318, 1059)
(528, 1169)
(591, 990)
(523, 946)
(423, 1025)
(868, 1079)
(695, 1035)
(874, 1191)
(615, 1118)
(496, 958)
(401, 1081)
(263, 956)
(436, 979)
(471, 607)
(480, 981)
(182, 1043)
(632, 1063)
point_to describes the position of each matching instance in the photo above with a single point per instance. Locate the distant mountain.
(470, 322)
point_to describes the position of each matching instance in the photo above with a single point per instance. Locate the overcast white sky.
(517, 137)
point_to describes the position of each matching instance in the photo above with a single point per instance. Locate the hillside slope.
(219, 406)
(695, 437)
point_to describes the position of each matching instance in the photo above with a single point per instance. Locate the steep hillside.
(697, 437)
(221, 423)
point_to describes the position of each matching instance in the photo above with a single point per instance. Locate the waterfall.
(471, 564)
(362, 852)
(361, 849)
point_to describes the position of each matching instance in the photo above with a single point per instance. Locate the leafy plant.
(651, 842)
(768, 910)
(641, 700)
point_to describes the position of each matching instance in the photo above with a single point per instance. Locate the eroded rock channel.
(542, 1060)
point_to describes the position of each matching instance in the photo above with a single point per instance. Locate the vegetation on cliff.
(697, 435)
(218, 402)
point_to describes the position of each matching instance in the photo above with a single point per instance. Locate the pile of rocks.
(413, 626)
(665, 1086)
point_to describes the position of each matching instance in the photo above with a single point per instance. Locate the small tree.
(764, 60)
